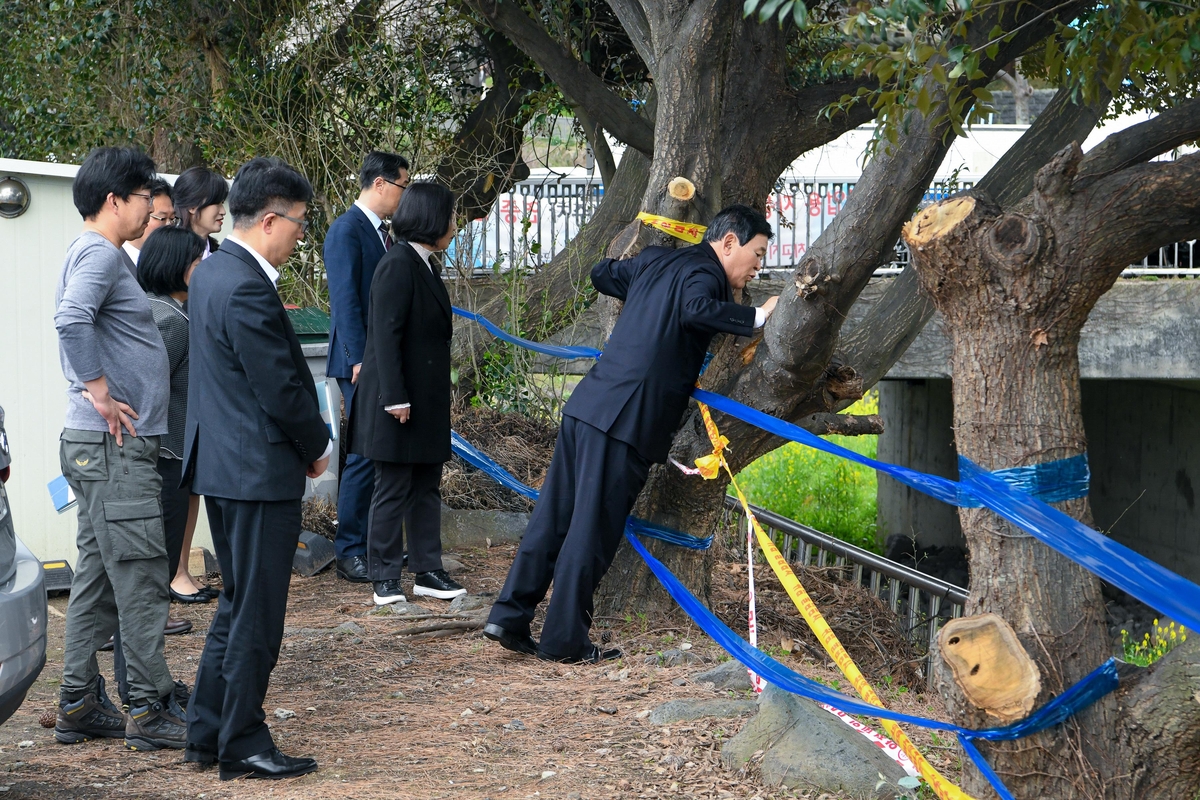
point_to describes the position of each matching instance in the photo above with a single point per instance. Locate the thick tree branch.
(571, 75)
(1143, 141)
(824, 424)
(633, 19)
(599, 144)
(485, 159)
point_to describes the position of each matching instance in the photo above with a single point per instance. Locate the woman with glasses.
(401, 417)
(200, 204)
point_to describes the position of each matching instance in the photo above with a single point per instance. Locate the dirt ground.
(454, 717)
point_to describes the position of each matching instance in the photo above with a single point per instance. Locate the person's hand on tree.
(318, 467)
(400, 414)
(115, 413)
(769, 305)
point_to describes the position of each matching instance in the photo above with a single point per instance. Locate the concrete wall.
(1143, 449)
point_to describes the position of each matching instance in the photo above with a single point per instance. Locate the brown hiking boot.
(93, 717)
(156, 726)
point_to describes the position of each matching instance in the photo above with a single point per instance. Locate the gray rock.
(284, 713)
(469, 602)
(515, 725)
(674, 711)
(350, 627)
(676, 657)
(806, 746)
(452, 565)
(468, 528)
(398, 609)
(726, 675)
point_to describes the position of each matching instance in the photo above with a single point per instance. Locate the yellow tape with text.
(691, 232)
(808, 609)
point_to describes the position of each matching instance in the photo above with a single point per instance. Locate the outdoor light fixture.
(14, 197)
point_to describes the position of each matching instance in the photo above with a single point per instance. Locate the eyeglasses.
(149, 198)
(303, 223)
(163, 219)
(400, 186)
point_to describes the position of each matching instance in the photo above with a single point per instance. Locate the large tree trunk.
(1015, 289)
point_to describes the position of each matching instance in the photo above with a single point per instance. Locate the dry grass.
(520, 444)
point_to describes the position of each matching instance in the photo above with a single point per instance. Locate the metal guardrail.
(922, 602)
(533, 222)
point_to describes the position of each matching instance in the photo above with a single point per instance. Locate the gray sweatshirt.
(105, 327)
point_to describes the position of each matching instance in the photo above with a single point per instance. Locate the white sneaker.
(387, 592)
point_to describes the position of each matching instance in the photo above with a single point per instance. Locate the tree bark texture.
(1015, 288)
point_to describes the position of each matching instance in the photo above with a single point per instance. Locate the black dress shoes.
(270, 764)
(524, 645)
(353, 569)
(199, 597)
(593, 655)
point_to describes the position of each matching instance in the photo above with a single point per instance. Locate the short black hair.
(424, 214)
(741, 220)
(165, 258)
(381, 165)
(110, 170)
(196, 188)
(263, 182)
(159, 188)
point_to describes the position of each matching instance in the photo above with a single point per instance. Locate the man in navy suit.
(620, 419)
(254, 432)
(355, 243)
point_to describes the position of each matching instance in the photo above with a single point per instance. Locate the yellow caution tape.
(808, 609)
(691, 232)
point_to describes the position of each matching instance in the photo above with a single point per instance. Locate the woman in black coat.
(402, 422)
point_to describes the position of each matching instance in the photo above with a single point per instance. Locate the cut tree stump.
(990, 665)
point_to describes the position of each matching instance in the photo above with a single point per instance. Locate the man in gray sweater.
(114, 360)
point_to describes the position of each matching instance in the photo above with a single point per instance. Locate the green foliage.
(1154, 645)
(825, 492)
(920, 54)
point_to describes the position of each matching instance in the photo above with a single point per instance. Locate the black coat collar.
(434, 282)
(234, 249)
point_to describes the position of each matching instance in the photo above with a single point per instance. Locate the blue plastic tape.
(558, 351)
(1050, 482)
(1153, 584)
(473, 456)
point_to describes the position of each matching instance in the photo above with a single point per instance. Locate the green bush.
(825, 492)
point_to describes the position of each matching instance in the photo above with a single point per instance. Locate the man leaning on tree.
(620, 420)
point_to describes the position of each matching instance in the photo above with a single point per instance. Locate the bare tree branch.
(633, 19)
(571, 75)
(1143, 141)
(825, 424)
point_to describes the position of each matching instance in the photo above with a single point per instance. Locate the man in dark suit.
(254, 431)
(355, 243)
(621, 419)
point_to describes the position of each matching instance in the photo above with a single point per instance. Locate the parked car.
(22, 604)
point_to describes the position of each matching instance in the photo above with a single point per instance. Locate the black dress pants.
(404, 492)
(175, 512)
(255, 543)
(572, 537)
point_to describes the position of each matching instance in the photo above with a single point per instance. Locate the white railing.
(533, 222)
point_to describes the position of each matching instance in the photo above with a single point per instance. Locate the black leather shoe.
(198, 597)
(267, 764)
(525, 645)
(594, 655)
(353, 569)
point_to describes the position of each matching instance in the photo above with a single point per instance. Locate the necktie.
(387, 236)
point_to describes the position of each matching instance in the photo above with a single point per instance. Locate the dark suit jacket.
(352, 249)
(675, 302)
(407, 360)
(253, 422)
